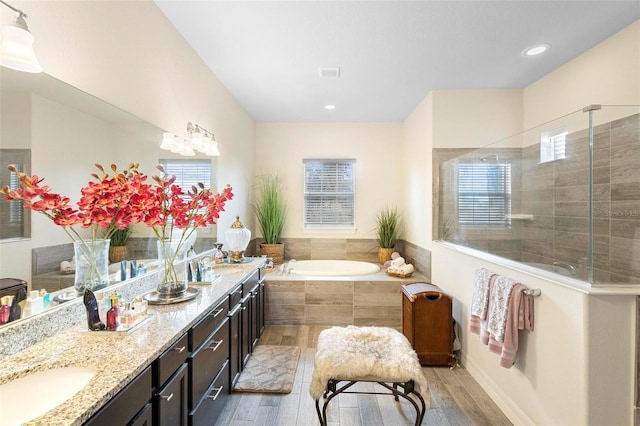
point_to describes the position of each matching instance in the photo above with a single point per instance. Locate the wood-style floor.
(456, 398)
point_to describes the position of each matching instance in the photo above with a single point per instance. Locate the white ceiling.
(390, 53)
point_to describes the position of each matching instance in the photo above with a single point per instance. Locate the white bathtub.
(334, 268)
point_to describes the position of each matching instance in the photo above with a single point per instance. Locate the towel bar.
(535, 292)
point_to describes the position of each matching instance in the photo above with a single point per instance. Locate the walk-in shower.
(563, 196)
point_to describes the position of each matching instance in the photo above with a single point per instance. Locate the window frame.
(485, 214)
(344, 197)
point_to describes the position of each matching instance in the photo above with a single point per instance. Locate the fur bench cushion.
(377, 354)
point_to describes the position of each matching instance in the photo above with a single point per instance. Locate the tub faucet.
(565, 265)
(287, 266)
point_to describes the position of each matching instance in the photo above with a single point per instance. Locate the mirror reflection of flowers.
(111, 202)
(114, 199)
(172, 209)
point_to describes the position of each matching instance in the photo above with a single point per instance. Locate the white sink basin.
(31, 396)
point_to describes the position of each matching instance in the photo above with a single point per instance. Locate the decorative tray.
(394, 274)
(121, 331)
(154, 299)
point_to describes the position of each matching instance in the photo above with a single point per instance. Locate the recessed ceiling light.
(329, 106)
(535, 50)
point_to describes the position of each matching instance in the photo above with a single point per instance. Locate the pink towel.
(499, 300)
(519, 316)
(519, 303)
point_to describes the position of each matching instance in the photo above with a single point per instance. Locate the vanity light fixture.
(329, 107)
(200, 139)
(16, 51)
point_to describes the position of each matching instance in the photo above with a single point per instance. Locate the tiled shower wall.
(557, 193)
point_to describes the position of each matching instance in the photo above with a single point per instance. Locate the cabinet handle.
(167, 398)
(213, 397)
(213, 348)
(218, 312)
(179, 350)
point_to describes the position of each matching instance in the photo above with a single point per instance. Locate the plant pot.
(118, 253)
(384, 254)
(273, 251)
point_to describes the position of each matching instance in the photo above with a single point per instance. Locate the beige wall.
(577, 367)
(376, 147)
(607, 74)
(131, 56)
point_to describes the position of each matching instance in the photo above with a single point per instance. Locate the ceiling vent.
(329, 72)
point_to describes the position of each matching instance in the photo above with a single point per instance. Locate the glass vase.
(92, 265)
(172, 265)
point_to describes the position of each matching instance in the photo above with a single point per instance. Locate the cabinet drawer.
(206, 363)
(209, 409)
(126, 404)
(235, 296)
(171, 359)
(208, 324)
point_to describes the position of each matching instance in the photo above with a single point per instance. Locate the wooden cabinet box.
(428, 323)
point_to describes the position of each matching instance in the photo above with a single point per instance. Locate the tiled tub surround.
(116, 359)
(555, 194)
(365, 250)
(366, 300)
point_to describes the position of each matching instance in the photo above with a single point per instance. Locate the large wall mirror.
(59, 132)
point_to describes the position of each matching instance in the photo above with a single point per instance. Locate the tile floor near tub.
(456, 398)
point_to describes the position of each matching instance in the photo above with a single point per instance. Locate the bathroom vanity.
(178, 369)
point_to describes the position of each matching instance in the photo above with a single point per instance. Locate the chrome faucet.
(287, 266)
(565, 265)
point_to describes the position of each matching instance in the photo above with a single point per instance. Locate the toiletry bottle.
(93, 316)
(191, 269)
(16, 310)
(103, 304)
(46, 298)
(133, 268)
(123, 271)
(126, 316)
(218, 255)
(114, 312)
(5, 307)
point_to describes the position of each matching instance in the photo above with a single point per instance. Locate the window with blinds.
(188, 173)
(484, 194)
(14, 219)
(329, 193)
(553, 144)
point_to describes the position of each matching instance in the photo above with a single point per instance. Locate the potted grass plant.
(118, 250)
(387, 231)
(270, 211)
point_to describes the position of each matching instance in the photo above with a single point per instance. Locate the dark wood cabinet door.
(171, 400)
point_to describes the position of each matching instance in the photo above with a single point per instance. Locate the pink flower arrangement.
(121, 198)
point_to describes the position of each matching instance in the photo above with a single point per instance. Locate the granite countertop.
(117, 358)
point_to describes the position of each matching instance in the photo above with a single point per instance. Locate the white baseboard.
(502, 400)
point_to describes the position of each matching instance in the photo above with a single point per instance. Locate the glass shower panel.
(563, 196)
(616, 193)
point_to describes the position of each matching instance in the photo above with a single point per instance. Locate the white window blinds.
(188, 173)
(329, 191)
(484, 194)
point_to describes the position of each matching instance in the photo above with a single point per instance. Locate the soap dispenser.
(113, 313)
